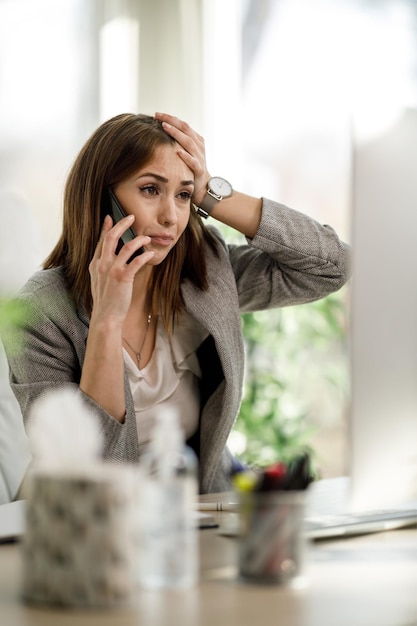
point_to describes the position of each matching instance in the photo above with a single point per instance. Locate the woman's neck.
(141, 295)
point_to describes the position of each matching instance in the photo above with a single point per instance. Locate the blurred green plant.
(13, 315)
(296, 377)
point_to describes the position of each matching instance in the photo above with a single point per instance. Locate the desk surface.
(364, 581)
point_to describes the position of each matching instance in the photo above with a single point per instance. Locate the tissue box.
(81, 542)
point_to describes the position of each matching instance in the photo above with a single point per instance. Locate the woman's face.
(159, 196)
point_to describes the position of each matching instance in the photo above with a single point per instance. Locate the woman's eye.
(185, 195)
(150, 190)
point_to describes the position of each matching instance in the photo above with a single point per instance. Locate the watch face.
(220, 186)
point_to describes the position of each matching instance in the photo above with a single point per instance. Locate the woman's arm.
(241, 212)
(112, 280)
(293, 259)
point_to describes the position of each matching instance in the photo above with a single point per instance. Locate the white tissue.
(63, 432)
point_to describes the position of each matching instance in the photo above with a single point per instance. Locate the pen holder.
(80, 547)
(271, 538)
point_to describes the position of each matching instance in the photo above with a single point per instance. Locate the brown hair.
(117, 149)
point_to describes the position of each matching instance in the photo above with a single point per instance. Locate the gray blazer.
(291, 260)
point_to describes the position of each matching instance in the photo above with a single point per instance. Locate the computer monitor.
(383, 328)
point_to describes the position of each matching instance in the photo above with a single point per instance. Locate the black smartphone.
(111, 206)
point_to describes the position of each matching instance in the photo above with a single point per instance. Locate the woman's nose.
(168, 211)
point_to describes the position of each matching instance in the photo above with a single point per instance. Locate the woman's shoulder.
(48, 290)
(52, 280)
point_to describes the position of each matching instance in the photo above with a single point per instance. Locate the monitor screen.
(383, 329)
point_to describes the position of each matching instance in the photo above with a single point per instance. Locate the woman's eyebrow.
(162, 179)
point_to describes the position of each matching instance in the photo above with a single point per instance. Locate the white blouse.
(170, 377)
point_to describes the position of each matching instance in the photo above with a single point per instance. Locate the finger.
(112, 235)
(178, 128)
(135, 248)
(106, 226)
(188, 159)
(181, 136)
(194, 146)
(173, 121)
(139, 261)
(197, 166)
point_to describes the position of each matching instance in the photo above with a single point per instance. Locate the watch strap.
(207, 205)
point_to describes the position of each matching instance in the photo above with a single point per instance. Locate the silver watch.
(217, 189)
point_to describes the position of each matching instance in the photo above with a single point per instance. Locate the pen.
(299, 473)
(218, 506)
(273, 478)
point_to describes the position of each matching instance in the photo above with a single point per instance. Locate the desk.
(365, 581)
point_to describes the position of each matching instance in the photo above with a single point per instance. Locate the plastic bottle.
(169, 555)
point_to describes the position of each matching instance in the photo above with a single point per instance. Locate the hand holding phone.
(111, 206)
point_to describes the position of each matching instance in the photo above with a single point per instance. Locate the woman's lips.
(161, 240)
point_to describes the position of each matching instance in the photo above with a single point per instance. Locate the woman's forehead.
(165, 161)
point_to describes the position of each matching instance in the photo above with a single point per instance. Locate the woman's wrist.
(241, 212)
(200, 193)
(105, 325)
(217, 189)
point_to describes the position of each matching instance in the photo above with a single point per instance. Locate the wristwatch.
(217, 189)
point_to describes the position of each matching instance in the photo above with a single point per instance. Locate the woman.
(135, 331)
